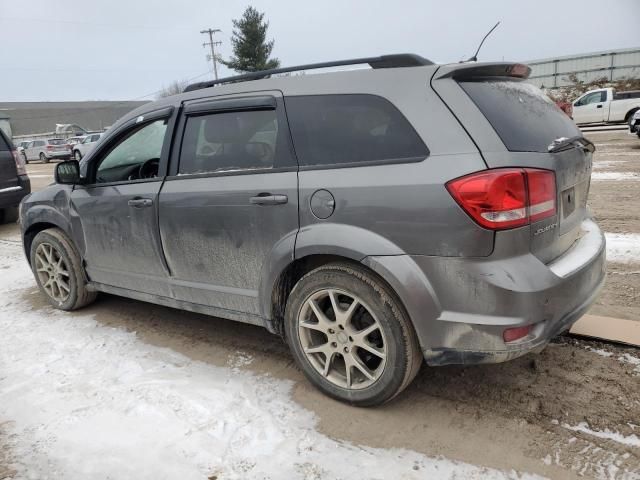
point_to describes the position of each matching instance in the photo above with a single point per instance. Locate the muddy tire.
(58, 270)
(350, 335)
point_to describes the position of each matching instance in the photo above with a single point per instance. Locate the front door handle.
(269, 199)
(140, 202)
(599, 106)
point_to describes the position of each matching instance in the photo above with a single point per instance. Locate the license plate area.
(568, 202)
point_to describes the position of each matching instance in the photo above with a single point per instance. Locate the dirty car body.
(463, 192)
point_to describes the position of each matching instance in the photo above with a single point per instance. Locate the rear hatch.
(515, 125)
(57, 145)
(8, 172)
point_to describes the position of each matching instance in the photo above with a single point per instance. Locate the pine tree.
(251, 51)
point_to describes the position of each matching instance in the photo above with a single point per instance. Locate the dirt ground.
(616, 206)
(516, 415)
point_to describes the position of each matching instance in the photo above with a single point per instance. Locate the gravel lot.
(571, 412)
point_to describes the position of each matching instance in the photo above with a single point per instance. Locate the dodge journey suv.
(375, 218)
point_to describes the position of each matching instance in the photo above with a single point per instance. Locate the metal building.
(612, 64)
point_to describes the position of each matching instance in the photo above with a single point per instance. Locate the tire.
(43, 158)
(24, 157)
(54, 247)
(9, 215)
(398, 356)
(77, 155)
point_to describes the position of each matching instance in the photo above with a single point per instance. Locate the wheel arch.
(630, 113)
(39, 219)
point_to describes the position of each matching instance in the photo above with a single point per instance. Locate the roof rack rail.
(384, 61)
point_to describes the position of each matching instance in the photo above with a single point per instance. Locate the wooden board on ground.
(607, 328)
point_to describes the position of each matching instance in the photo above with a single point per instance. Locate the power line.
(212, 44)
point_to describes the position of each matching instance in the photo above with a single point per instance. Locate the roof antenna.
(475, 55)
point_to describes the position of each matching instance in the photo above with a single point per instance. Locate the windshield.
(525, 118)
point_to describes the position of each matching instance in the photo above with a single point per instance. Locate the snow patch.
(83, 400)
(599, 351)
(630, 440)
(623, 247)
(617, 176)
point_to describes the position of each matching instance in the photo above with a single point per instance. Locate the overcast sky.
(128, 49)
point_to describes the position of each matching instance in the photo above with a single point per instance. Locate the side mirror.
(68, 173)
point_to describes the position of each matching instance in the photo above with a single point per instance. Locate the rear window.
(56, 141)
(525, 119)
(351, 129)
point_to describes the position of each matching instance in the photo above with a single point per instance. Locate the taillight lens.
(542, 193)
(506, 197)
(21, 168)
(49, 147)
(517, 333)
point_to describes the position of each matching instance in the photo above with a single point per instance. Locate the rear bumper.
(473, 300)
(61, 155)
(11, 196)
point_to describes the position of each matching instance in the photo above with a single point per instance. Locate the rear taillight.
(506, 197)
(21, 168)
(49, 147)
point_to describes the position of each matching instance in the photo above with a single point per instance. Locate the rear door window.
(525, 119)
(351, 129)
(237, 140)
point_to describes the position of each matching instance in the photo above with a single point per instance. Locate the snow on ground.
(623, 247)
(87, 401)
(615, 176)
(630, 440)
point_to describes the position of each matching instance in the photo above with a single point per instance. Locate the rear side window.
(525, 119)
(242, 140)
(351, 129)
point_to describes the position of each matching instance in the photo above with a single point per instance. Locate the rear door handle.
(140, 202)
(269, 199)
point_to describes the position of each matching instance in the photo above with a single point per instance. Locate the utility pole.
(212, 44)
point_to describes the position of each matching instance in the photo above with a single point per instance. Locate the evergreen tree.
(251, 50)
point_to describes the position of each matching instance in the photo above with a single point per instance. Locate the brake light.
(506, 197)
(21, 168)
(49, 147)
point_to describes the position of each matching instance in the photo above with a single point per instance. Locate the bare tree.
(175, 87)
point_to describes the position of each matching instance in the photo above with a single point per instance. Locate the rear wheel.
(350, 335)
(57, 268)
(43, 158)
(24, 157)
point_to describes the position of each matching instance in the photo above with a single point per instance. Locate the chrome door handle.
(269, 199)
(140, 202)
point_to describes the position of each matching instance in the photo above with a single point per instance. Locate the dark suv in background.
(374, 217)
(14, 182)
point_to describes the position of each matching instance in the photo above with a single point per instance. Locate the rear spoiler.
(478, 71)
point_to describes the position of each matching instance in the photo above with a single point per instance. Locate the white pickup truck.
(604, 105)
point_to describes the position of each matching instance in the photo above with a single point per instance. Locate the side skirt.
(180, 304)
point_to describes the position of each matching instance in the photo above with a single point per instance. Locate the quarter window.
(351, 129)
(242, 140)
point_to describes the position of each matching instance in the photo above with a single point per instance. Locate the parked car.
(81, 149)
(73, 141)
(634, 123)
(405, 212)
(22, 145)
(46, 150)
(14, 182)
(604, 105)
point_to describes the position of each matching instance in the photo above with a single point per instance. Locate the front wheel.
(57, 268)
(350, 335)
(24, 157)
(77, 155)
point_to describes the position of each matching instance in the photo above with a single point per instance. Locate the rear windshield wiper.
(564, 143)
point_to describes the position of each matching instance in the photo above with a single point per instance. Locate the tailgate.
(515, 125)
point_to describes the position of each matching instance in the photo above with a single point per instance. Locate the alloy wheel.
(342, 338)
(52, 272)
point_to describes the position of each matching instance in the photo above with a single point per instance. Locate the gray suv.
(374, 218)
